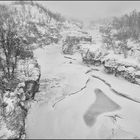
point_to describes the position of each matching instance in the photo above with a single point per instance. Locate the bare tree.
(12, 47)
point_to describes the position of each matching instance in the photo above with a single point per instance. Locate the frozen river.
(78, 105)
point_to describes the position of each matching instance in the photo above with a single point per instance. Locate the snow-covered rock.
(4, 132)
(11, 102)
(72, 39)
(91, 54)
(119, 66)
(137, 76)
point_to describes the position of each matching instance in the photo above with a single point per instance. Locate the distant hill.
(38, 25)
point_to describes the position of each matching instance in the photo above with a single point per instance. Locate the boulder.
(72, 40)
(110, 66)
(120, 71)
(31, 87)
(92, 57)
(70, 44)
(137, 76)
(129, 74)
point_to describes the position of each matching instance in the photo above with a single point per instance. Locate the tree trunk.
(14, 66)
(8, 67)
(125, 50)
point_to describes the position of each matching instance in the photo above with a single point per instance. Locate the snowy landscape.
(68, 78)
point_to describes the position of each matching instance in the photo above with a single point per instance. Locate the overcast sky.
(92, 9)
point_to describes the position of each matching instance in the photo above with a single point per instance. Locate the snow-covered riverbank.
(59, 115)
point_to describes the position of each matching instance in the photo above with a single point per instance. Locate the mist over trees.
(121, 29)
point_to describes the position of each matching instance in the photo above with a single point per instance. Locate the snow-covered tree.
(12, 46)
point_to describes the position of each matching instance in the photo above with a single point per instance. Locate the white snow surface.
(65, 119)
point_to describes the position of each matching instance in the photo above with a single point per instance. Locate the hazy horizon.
(90, 10)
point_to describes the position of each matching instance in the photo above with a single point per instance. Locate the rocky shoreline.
(113, 64)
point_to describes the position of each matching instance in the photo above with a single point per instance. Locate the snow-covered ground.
(74, 107)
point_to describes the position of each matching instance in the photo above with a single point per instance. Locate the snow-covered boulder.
(137, 76)
(110, 65)
(72, 39)
(4, 132)
(129, 74)
(120, 70)
(121, 67)
(70, 45)
(91, 54)
(10, 100)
